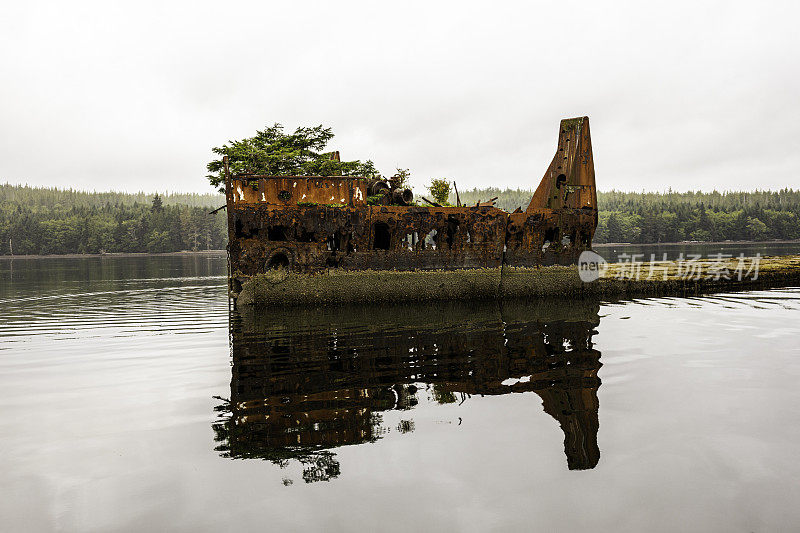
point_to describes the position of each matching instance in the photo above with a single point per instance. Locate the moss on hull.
(276, 288)
(335, 286)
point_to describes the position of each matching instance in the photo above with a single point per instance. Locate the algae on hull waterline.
(336, 285)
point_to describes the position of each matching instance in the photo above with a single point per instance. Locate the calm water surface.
(134, 399)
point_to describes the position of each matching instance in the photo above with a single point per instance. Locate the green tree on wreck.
(440, 190)
(275, 153)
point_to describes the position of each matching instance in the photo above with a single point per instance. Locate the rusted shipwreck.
(313, 226)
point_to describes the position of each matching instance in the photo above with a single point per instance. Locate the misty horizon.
(417, 190)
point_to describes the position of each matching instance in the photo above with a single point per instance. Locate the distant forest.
(55, 221)
(648, 217)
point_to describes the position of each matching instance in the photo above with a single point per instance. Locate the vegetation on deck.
(275, 153)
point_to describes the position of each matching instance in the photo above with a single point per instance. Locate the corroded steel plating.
(311, 223)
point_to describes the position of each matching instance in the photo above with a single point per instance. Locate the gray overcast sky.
(132, 96)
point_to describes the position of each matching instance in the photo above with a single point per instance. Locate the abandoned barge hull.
(314, 226)
(336, 286)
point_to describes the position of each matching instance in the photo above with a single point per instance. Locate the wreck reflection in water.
(305, 382)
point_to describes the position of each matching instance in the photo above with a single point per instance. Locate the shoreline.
(223, 251)
(117, 254)
(691, 243)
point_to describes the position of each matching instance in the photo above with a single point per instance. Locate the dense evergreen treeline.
(53, 221)
(678, 216)
(59, 198)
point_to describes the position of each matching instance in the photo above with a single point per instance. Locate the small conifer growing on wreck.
(440, 190)
(275, 153)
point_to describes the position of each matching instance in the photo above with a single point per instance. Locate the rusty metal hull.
(272, 224)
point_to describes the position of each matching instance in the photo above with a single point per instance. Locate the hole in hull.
(452, 229)
(430, 240)
(278, 261)
(333, 242)
(382, 238)
(411, 240)
(276, 233)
